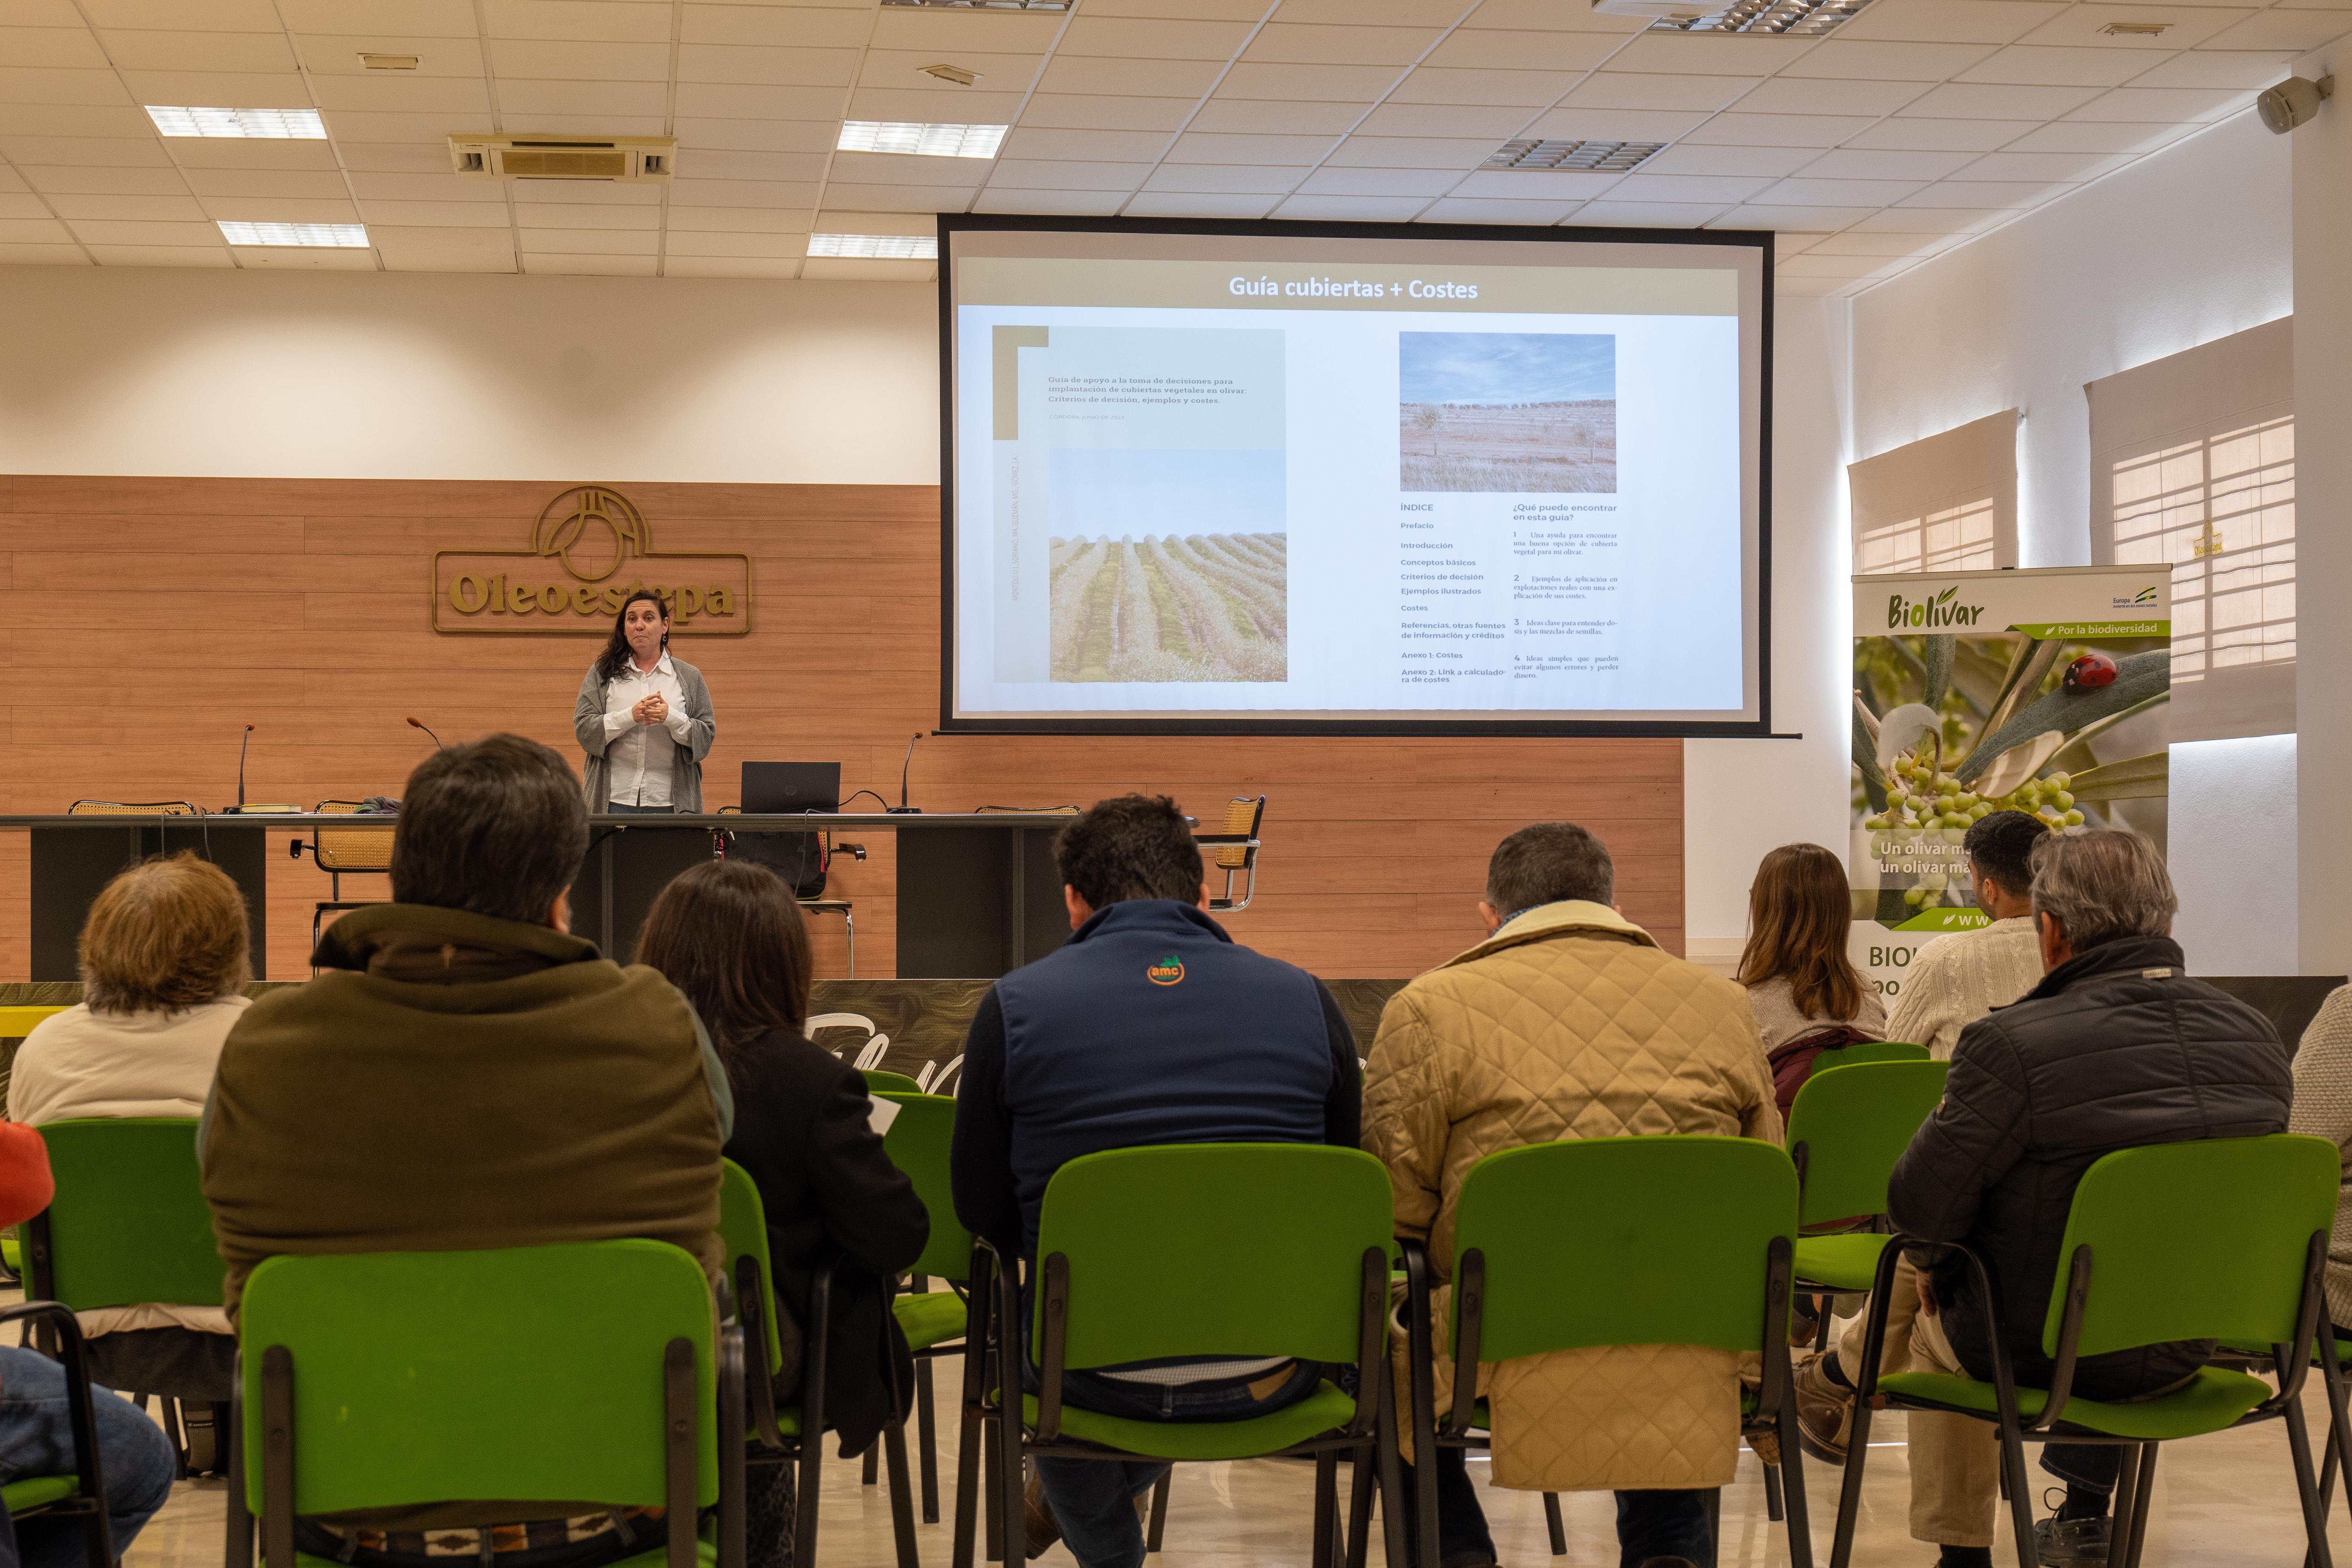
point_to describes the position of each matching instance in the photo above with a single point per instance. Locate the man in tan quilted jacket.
(1570, 1021)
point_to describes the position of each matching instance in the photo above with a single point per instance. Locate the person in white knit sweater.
(1958, 978)
(2322, 1108)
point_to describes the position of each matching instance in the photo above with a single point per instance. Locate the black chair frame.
(87, 1502)
(2135, 1483)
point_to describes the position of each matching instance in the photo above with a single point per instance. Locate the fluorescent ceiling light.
(319, 235)
(881, 246)
(1792, 18)
(1605, 157)
(931, 141)
(985, 5)
(298, 124)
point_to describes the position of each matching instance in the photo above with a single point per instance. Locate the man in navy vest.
(1150, 1026)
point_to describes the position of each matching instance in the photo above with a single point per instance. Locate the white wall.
(409, 375)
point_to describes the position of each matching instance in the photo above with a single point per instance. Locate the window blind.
(1945, 503)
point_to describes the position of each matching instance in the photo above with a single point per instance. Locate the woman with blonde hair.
(164, 961)
(1806, 993)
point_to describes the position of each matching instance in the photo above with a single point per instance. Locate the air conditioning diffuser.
(625, 159)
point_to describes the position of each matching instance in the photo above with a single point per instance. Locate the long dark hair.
(614, 660)
(729, 935)
(1799, 916)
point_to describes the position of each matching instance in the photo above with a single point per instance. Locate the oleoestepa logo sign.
(589, 549)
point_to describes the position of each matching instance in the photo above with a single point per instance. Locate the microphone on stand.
(416, 724)
(241, 745)
(902, 807)
(259, 810)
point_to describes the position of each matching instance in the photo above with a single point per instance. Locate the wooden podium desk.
(978, 894)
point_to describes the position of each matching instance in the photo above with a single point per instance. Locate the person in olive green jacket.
(465, 1075)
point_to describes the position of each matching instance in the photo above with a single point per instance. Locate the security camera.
(2293, 102)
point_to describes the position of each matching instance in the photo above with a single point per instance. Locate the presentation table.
(978, 893)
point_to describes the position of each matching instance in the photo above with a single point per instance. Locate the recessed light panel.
(877, 246)
(1786, 19)
(928, 141)
(1601, 157)
(984, 4)
(277, 124)
(318, 236)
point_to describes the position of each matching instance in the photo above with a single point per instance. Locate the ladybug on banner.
(2090, 671)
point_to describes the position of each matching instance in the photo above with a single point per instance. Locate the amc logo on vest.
(590, 549)
(1167, 972)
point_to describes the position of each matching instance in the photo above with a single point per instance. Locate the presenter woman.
(643, 718)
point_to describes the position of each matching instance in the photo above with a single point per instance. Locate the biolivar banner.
(2041, 692)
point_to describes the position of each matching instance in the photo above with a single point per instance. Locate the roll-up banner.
(2042, 692)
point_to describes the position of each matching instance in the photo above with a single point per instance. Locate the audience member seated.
(2322, 1108)
(1958, 978)
(36, 1427)
(1804, 991)
(163, 967)
(1082, 1052)
(729, 934)
(2116, 1047)
(465, 1074)
(1568, 1021)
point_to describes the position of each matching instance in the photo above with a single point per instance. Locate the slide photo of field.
(1509, 412)
(1207, 606)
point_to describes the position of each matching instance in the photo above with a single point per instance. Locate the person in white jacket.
(165, 961)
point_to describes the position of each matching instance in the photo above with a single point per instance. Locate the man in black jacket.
(2116, 1047)
(1150, 1026)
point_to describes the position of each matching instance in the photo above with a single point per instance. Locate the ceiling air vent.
(1784, 18)
(1604, 157)
(627, 159)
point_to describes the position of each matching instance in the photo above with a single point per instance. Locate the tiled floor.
(2227, 1500)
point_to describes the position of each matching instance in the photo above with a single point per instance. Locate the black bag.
(798, 858)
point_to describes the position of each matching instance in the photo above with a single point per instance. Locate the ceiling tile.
(443, 249)
(676, 265)
(43, 256)
(2179, 105)
(1617, 124)
(84, 151)
(1861, 60)
(154, 209)
(367, 125)
(590, 242)
(1924, 220)
(1525, 89)
(2281, 29)
(1052, 174)
(822, 268)
(1409, 152)
(444, 186)
(1742, 130)
(227, 152)
(1984, 194)
(162, 256)
(1392, 12)
(1086, 111)
(1980, 100)
(769, 245)
(1133, 39)
(900, 71)
(550, 213)
(1537, 184)
(1623, 90)
(933, 31)
(736, 220)
(685, 190)
(1328, 84)
(1525, 51)
(2042, 166)
(1200, 147)
(72, 120)
(1807, 287)
(183, 51)
(1422, 183)
(1252, 116)
(294, 258)
(758, 135)
(1069, 72)
(403, 93)
(800, 26)
(587, 61)
(1881, 245)
(1196, 203)
(1086, 146)
(1550, 15)
(36, 84)
(1819, 265)
(1693, 158)
(2213, 69)
(1181, 10)
(589, 103)
(1445, 121)
(1229, 179)
(374, 157)
(901, 198)
(227, 89)
(1352, 45)
(603, 124)
(1463, 209)
(1644, 215)
(281, 209)
(2122, 136)
(2184, 25)
(225, 16)
(1790, 95)
(438, 214)
(1903, 135)
(838, 220)
(712, 101)
(1685, 54)
(1853, 164)
(588, 265)
(1352, 209)
(23, 203)
(1723, 190)
(911, 103)
(34, 231)
(1948, 21)
(1078, 203)
(2052, 67)
(1777, 217)
(1811, 192)
(423, 18)
(338, 54)
(624, 21)
(119, 231)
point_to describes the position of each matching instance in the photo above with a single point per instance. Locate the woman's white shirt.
(641, 772)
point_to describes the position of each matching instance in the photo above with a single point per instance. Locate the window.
(2193, 465)
(1947, 503)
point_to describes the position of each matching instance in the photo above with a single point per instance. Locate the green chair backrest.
(879, 1081)
(514, 1372)
(743, 1232)
(2204, 1239)
(1287, 1225)
(1624, 1241)
(1875, 1051)
(917, 1144)
(1854, 1123)
(129, 1222)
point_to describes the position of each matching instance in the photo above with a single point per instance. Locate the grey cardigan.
(686, 760)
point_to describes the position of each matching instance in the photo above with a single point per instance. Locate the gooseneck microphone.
(902, 807)
(241, 745)
(416, 724)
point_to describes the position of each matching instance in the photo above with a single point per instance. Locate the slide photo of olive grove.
(1508, 413)
(1201, 607)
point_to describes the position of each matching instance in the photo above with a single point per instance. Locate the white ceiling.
(1913, 127)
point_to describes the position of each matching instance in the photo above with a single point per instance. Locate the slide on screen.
(1329, 480)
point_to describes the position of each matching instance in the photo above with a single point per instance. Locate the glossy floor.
(2227, 1500)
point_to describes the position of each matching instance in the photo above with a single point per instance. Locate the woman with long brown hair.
(727, 934)
(1805, 992)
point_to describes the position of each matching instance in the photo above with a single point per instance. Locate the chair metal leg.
(2020, 1510)
(2128, 1480)
(1713, 1497)
(1393, 1550)
(1327, 1500)
(1857, 1454)
(994, 1489)
(968, 1466)
(237, 1548)
(2129, 1558)
(927, 1438)
(176, 1430)
(2314, 1522)
(1555, 1524)
(1158, 1529)
(1824, 1306)
(849, 927)
(902, 1495)
(1772, 1509)
(870, 1467)
(1361, 1487)
(1792, 1459)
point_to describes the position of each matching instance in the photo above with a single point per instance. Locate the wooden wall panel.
(152, 617)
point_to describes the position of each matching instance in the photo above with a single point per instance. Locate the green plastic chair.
(1846, 1130)
(881, 1081)
(2212, 1239)
(588, 1371)
(81, 1494)
(934, 1321)
(792, 1435)
(1875, 1051)
(1612, 1241)
(1305, 1225)
(129, 1224)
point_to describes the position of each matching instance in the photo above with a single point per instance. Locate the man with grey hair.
(2116, 1047)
